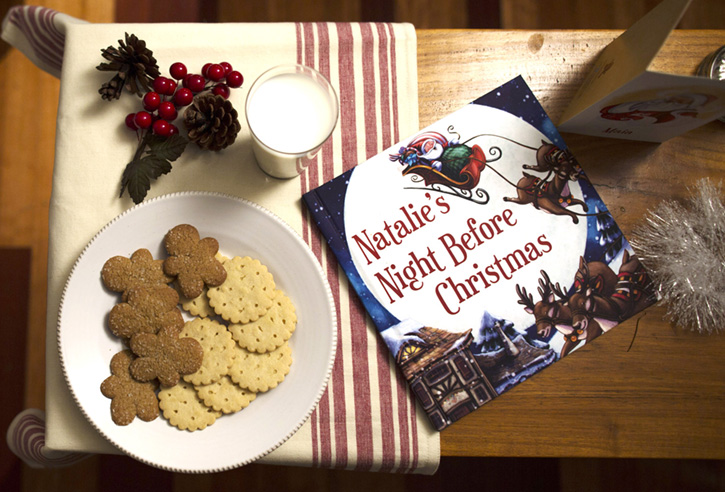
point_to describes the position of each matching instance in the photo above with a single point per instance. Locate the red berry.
(183, 97)
(234, 79)
(215, 72)
(130, 121)
(205, 68)
(227, 67)
(170, 87)
(167, 111)
(173, 130)
(162, 128)
(161, 85)
(177, 70)
(142, 119)
(221, 90)
(151, 101)
(195, 83)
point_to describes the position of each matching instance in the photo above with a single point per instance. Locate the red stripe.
(413, 431)
(347, 96)
(387, 420)
(339, 421)
(361, 377)
(369, 88)
(387, 429)
(394, 82)
(307, 57)
(312, 173)
(361, 385)
(403, 426)
(348, 115)
(314, 417)
(406, 414)
(384, 62)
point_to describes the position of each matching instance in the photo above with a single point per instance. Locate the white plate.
(242, 228)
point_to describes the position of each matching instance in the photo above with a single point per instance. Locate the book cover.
(481, 251)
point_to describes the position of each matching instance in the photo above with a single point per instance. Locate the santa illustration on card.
(659, 110)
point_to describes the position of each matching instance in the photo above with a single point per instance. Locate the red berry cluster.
(161, 106)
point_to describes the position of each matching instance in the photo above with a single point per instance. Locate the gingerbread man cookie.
(165, 356)
(146, 311)
(192, 260)
(129, 398)
(121, 274)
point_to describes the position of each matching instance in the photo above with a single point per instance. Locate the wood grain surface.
(645, 389)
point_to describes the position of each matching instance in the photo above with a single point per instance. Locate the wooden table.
(645, 389)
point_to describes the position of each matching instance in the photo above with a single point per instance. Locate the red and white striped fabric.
(39, 33)
(26, 439)
(348, 431)
(367, 419)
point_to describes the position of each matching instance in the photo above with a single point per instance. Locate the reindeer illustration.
(551, 312)
(552, 196)
(593, 282)
(630, 292)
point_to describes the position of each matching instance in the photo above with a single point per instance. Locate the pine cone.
(135, 65)
(211, 121)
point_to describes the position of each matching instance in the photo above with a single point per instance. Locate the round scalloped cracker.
(261, 372)
(198, 306)
(247, 292)
(218, 346)
(269, 331)
(225, 396)
(183, 408)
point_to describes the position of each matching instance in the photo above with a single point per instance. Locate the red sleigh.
(467, 179)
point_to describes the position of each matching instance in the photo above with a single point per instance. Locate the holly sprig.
(159, 140)
(153, 158)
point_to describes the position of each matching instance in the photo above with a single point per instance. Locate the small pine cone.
(211, 121)
(135, 68)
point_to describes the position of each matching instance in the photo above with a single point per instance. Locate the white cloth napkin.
(367, 419)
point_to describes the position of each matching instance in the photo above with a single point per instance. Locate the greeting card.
(624, 97)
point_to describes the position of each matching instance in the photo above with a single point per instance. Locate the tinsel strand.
(683, 247)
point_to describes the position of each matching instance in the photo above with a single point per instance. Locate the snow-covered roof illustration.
(403, 332)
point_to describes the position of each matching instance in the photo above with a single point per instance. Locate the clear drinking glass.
(291, 111)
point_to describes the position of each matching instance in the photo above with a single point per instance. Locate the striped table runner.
(367, 419)
(385, 437)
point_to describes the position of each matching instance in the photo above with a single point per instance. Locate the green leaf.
(169, 148)
(138, 175)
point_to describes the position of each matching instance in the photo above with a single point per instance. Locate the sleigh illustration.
(443, 166)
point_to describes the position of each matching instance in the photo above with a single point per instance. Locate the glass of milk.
(291, 111)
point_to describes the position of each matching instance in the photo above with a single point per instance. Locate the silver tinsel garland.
(683, 247)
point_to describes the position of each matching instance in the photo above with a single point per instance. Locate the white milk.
(291, 113)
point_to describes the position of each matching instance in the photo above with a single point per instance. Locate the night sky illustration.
(326, 203)
(516, 98)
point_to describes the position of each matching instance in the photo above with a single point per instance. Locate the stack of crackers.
(232, 344)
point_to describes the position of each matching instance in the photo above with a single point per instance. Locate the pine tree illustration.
(608, 235)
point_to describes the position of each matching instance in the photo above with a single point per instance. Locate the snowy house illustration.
(441, 370)
(505, 355)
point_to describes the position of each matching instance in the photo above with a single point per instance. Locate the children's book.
(481, 251)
